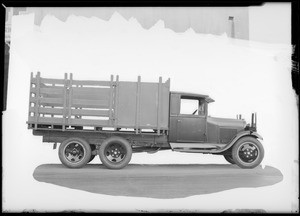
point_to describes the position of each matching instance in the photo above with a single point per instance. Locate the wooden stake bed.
(85, 105)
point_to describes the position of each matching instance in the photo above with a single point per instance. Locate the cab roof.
(194, 95)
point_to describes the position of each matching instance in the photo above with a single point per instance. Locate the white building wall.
(270, 23)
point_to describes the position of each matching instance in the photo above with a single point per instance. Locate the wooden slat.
(53, 111)
(52, 81)
(90, 93)
(88, 122)
(52, 90)
(82, 112)
(91, 82)
(33, 80)
(32, 90)
(45, 120)
(48, 101)
(90, 103)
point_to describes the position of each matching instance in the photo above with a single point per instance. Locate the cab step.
(196, 147)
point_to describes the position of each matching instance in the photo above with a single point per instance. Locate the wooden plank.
(90, 93)
(53, 90)
(33, 80)
(88, 122)
(90, 103)
(82, 112)
(45, 120)
(48, 101)
(52, 81)
(91, 82)
(53, 111)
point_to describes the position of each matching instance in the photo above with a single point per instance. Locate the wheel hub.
(74, 152)
(115, 153)
(248, 152)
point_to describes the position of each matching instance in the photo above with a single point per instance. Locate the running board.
(196, 147)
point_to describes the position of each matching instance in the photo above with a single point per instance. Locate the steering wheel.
(195, 112)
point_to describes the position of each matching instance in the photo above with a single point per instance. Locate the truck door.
(190, 121)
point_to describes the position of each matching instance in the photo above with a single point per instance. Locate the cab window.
(192, 106)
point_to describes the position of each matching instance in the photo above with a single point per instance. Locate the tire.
(247, 152)
(229, 159)
(74, 153)
(115, 152)
(93, 147)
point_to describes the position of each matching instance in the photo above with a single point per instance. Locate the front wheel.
(74, 152)
(115, 152)
(248, 152)
(229, 159)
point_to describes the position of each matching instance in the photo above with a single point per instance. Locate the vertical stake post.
(137, 114)
(159, 105)
(37, 103)
(65, 102)
(111, 99)
(116, 97)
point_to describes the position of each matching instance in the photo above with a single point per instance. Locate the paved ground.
(157, 181)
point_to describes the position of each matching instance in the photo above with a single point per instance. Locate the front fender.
(240, 135)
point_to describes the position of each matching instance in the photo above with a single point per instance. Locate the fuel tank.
(222, 130)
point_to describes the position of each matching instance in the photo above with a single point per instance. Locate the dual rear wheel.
(114, 152)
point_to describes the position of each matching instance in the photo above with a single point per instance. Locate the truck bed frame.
(57, 105)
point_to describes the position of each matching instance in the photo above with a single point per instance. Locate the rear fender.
(240, 135)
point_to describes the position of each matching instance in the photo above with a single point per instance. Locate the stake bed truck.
(114, 119)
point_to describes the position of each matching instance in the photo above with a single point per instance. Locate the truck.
(113, 119)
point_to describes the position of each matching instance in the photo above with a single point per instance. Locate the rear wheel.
(248, 152)
(74, 152)
(115, 152)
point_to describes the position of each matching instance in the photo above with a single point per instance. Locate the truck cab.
(192, 130)
(188, 117)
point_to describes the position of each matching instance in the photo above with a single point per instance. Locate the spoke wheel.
(74, 152)
(248, 152)
(115, 152)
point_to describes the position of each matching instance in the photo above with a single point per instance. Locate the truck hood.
(226, 122)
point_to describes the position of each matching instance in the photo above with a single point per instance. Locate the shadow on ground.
(158, 181)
